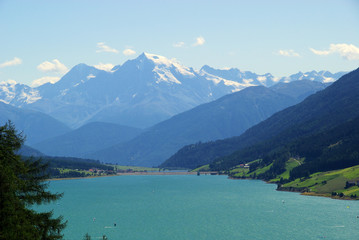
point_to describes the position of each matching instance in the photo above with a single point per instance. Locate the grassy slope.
(290, 164)
(325, 183)
(239, 172)
(203, 168)
(322, 183)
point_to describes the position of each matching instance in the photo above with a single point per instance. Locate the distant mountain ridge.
(299, 89)
(86, 139)
(268, 79)
(139, 93)
(36, 126)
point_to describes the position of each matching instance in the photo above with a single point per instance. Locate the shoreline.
(202, 173)
(134, 174)
(304, 193)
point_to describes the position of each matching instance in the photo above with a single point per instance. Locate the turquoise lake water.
(197, 207)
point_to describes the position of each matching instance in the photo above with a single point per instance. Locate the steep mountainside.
(332, 149)
(324, 110)
(86, 139)
(226, 117)
(36, 126)
(74, 97)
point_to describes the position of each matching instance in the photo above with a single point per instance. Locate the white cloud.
(43, 80)
(347, 51)
(55, 66)
(178, 44)
(288, 53)
(15, 61)
(128, 52)
(199, 41)
(102, 47)
(104, 66)
(318, 52)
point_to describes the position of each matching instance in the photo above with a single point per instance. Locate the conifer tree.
(22, 184)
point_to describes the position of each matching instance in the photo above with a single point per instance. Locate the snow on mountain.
(163, 68)
(78, 75)
(152, 88)
(321, 76)
(139, 93)
(243, 79)
(17, 94)
(7, 91)
(249, 78)
(164, 63)
(217, 80)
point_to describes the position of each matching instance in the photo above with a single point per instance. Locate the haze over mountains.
(36, 126)
(89, 138)
(226, 117)
(145, 93)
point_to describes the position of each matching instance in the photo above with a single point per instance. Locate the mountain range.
(336, 105)
(140, 93)
(176, 105)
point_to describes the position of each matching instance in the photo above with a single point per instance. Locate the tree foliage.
(23, 185)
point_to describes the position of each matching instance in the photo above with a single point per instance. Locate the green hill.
(337, 183)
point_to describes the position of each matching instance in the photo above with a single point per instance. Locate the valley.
(213, 117)
(179, 120)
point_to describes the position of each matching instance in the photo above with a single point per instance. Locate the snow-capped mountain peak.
(244, 79)
(17, 94)
(321, 76)
(163, 62)
(7, 91)
(156, 59)
(165, 70)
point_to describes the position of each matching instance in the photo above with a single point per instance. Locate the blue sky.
(41, 40)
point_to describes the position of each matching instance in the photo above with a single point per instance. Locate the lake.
(186, 207)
